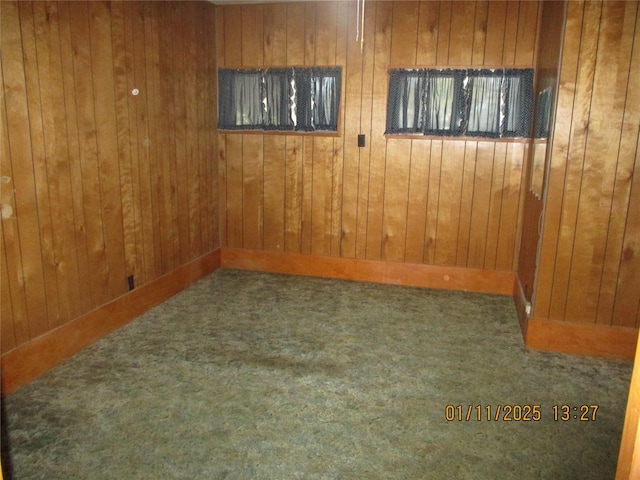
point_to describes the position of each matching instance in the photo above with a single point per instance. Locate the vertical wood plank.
(252, 191)
(619, 295)
(558, 168)
(135, 249)
(233, 36)
(121, 88)
(221, 137)
(195, 138)
(483, 179)
(275, 53)
(495, 206)
(598, 174)
(88, 154)
(274, 192)
(106, 131)
(293, 194)
(510, 206)
(463, 17)
(308, 143)
(466, 203)
(626, 310)
(364, 160)
(7, 329)
(575, 160)
(526, 36)
(321, 175)
(43, 203)
(428, 25)
(252, 36)
(433, 202)
(448, 221)
(352, 95)
(495, 39)
(275, 34)
(56, 166)
(337, 180)
(14, 324)
(294, 154)
(155, 136)
(180, 163)
(295, 33)
(27, 281)
(146, 249)
(480, 33)
(404, 33)
(208, 49)
(383, 26)
(444, 32)
(167, 152)
(235, 188)
(510, 32)
(396, 194)
(417, 201)
(82, 285)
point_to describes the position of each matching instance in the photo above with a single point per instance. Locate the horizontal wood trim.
(31, 359)
(417, 275)
(581, 339)
(229, 131)
(454, 138)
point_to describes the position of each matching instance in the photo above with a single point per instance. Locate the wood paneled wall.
(439, 202)
(98, 184)
(590, 253)
(551, 30)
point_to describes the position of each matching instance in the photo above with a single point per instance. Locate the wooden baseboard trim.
(26, 362)
(581, 339)
(417, 275)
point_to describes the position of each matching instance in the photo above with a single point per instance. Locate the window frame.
(462, 103)
(305, 89)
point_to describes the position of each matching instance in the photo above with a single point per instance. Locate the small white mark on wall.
(7, 211)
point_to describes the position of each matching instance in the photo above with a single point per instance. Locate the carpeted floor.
(260, 376)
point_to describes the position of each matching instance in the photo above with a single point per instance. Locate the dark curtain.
(240, 100)
(300, 99)
(325, 99)
(276, 94)
(485, 103)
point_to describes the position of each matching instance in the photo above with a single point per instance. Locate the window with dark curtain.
(460, 102)
(301, 99)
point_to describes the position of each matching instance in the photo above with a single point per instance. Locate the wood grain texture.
(106, 185)
(581, 338)
(32, 358)
(377, 271)
(584, 258)
(394, 199)
(629, 456)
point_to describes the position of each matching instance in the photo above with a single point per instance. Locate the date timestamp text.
(519, 413)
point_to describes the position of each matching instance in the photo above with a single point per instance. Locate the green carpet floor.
(259, 376)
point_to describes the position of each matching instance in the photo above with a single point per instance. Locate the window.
(301, 99)
(453, 102)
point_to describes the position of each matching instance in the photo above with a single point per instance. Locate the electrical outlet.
(361, 140)
(130, 282)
